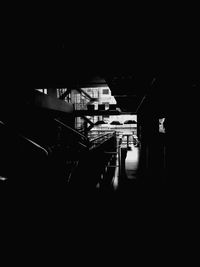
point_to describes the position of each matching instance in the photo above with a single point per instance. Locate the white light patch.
(161, 125)
(3, 178)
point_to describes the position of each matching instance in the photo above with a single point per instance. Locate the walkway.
(131, 162)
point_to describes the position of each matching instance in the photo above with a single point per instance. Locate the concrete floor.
(128, 178)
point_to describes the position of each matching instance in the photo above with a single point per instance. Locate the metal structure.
(150, 82)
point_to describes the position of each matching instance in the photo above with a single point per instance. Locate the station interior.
(50, 141)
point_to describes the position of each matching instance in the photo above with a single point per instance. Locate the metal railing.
(24, 138)
(83, 140)
(99, 140)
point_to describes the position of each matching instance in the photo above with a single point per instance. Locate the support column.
(148, 131)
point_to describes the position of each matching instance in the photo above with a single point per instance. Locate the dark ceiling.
(134, 61)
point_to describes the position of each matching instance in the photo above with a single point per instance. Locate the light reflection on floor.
(131, 162)
(131, 166)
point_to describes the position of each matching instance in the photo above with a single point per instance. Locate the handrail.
(89, 144)
(27, 139)
(101, 138)
(71, 129)
(35, 144)
(82, 145)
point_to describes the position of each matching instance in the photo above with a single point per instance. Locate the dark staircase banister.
(25, 138)
(103, 138)
(72, 130)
